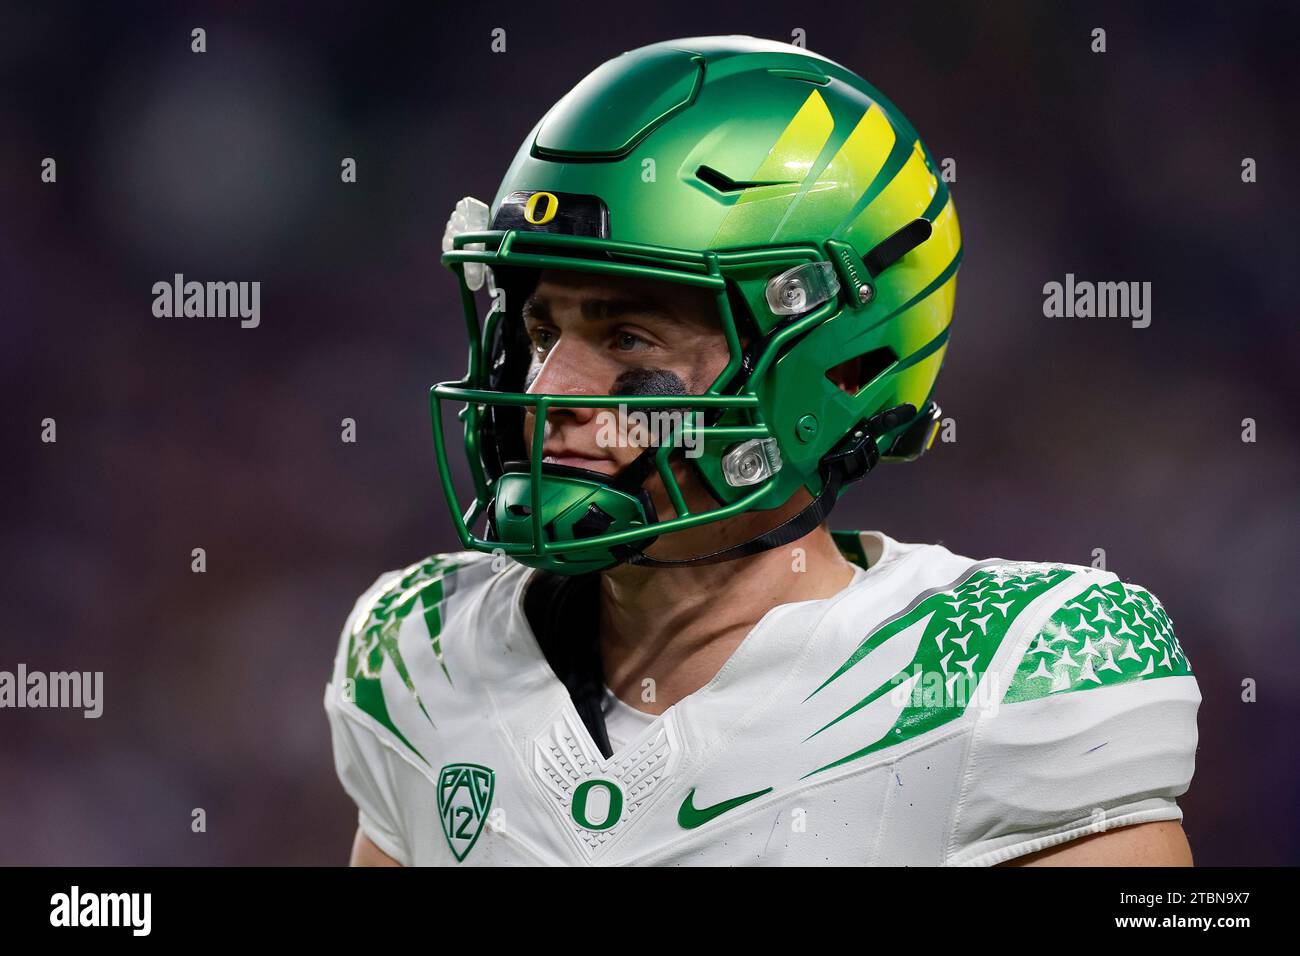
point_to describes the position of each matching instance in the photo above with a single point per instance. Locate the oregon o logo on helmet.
(530, 209)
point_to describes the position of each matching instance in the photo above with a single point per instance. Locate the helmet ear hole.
(855, 374)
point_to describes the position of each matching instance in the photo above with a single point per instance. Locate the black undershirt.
(563, 611)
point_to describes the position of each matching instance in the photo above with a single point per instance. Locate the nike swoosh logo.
(688, 817)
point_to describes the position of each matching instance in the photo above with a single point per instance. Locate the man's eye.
(627, 342)
(543, 339)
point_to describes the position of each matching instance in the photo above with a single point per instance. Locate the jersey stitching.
(1069, 832)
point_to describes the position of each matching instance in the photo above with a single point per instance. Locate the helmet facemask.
(573, 520)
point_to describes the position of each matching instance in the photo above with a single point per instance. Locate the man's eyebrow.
(622, 306)
(607, 309)
(535, 309)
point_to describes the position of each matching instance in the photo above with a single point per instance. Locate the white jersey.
(936, 711)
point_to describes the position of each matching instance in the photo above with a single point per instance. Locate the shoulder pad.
(1054, 764)
(1109, 633)
(957, 631)
(369, 642)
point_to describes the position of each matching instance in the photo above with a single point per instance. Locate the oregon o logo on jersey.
(548, 212)
(606, 805)
(464, 796)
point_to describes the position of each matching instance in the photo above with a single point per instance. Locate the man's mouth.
(572, 460)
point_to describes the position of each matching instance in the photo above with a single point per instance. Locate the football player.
(714, 290)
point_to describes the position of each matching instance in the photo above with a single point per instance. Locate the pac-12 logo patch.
(464, 797)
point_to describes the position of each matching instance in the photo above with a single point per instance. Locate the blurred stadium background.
(1073, 434)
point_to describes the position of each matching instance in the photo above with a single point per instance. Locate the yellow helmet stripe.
(848, 174)
(789, 160)
(905, 198)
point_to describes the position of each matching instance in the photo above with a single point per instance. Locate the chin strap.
(850, 461)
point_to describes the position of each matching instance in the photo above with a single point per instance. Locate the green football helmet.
(789, 189)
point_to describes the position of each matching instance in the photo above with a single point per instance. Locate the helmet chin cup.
(571, 504)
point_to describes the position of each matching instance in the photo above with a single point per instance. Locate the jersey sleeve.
(1095, 727)
(361, 759)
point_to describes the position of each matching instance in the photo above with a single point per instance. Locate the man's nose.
(567, 371)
